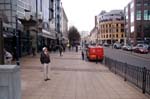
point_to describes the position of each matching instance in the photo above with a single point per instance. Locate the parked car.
(106, 44)
(127, 47)
(117, 45)
(141, 48)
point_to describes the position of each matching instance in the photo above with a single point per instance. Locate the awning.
(47, 34)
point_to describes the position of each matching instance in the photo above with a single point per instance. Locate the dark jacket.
(44, 58)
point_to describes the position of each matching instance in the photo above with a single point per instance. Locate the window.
(8, 13)
(132, 17)
(41, 5)
(146, 14)
(20, 3)
(7, 6)
(116, 25)
(13, 13)
(122, 30)
(122, 25)
(14, 7)
(132, 29)
(117, 30)
(7, 1)
(1, 7)
(9, 19)
(146, 3)
(2, 1)
(14, 2)
(117, 35)
(138, 15)
(132, 5)
(138, 4)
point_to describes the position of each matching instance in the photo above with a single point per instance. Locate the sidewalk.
(72, 78)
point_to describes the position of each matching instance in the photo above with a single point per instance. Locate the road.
(128, 57)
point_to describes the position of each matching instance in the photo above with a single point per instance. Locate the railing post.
(144, 80)
(125, 72)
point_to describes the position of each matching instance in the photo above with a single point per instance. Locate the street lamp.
(1, 42)
(112, 32)
(97, 35)
(17, 42)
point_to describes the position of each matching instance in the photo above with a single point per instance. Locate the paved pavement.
(72, 78)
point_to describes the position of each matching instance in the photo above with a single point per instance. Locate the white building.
(64, 25)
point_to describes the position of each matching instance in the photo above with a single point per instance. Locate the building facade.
(57, 17)
(31, 19)
(111, 26)
(94, 35)
(64, 26)
(137, 21)
(13, 10)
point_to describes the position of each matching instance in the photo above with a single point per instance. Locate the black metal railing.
(139, 76)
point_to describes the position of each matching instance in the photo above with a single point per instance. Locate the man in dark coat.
(45, 60)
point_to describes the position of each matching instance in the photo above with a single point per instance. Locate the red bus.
(95, 53)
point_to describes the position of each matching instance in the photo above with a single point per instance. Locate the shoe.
(47, 79)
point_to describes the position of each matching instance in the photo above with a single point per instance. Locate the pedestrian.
(82, 55)
(76, 48)
(45, 60)
(60, 50)
(33, 51)
(7, 57)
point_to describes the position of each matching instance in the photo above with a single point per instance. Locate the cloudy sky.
(81, 13)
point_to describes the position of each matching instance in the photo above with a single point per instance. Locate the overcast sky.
(81, 13)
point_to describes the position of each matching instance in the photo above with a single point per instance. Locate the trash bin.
(10, 82)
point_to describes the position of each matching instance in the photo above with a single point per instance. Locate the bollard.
(10, 83)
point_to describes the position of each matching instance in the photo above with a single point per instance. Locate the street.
(141, 60)
(73, 78)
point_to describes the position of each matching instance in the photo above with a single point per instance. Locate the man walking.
(45, 60)
(60, 50)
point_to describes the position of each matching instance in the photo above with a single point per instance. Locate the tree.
(74, 36)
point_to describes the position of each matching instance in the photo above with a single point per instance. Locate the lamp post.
(97, 35)
(17, 42)
(112, 32)
(1, 42)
